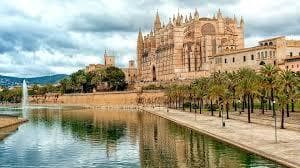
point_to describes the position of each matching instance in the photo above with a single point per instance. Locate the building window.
(252, 57)
(274, 62)
(225, 61)
(266, 54)
(287, 67)
(244, 58)
(262, 55)
(270, 54)
(292, 66)
(274, 54)
(297, 65)
(258, 54)
(233, 59)
(299, 53)
(291, 54)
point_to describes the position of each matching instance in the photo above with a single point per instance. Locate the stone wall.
(102, 99)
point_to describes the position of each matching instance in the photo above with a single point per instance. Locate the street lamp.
(223, 122)
(239, 104)
(275, 120)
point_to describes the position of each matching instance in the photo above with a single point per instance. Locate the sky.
(46, 37)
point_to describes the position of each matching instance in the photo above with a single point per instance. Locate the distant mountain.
(8, 81)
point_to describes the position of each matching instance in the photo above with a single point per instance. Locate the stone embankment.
(7, 121)
(255, 138)
(103, 99)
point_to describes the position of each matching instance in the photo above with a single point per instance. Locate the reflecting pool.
(75, 137)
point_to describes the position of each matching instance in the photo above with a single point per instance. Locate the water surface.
(75, 137)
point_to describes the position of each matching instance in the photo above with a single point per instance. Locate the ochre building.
(193, 46)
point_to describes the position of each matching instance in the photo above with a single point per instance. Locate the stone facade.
(130, 72)
(197, 46)
(278, 51)
(183, 47)
(109, 60)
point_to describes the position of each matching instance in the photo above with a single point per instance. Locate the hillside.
(8, 81)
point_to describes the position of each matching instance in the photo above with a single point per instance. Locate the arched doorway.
(153, 73)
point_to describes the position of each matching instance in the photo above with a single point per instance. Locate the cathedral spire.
(219, 14)
(196, 15)
(140, 37)
(157, 23)
(140, 49)
(191, 18)
(174, 19)
(186, 19)
(242, 22)
(235, 20)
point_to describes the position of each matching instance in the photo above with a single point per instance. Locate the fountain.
(25, 95)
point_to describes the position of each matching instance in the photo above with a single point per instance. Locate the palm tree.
(282, 98)
(201, 90)
(233, 81)
(216, 89)
(288, 81)
(270, 73)
(248, 86)
(263, 92)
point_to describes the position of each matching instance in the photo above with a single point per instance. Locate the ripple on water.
(56, 137)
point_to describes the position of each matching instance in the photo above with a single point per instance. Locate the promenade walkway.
(256, 138)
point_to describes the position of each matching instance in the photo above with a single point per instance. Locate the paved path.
(255, 138)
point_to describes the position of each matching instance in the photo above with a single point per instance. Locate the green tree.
(115, 78)
(270, 74)
(248, 87)
(287, 81)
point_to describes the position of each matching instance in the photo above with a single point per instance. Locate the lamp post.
(275, 120)
(223, 122)
(190, 88)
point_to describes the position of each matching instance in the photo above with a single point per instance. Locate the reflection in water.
(92, 138)
(7, 131)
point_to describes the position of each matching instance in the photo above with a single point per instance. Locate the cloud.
(42, 37)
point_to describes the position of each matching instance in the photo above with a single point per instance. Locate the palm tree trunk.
(235, 105)
(176, 105)
(293, 106)
(249, 121)
(262, 105)
(252, 103)
(220, 112)
(287, 110)
(270, 104)
(244, 100)
(211, 108)
(227, 110)
(195, 109)
(198, 103)
(282, 118)
(201, 103)
(183, 103)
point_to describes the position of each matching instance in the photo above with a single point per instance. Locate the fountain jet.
(25, 95)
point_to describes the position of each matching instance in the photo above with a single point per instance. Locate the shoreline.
(254, 148)
(8, 121)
